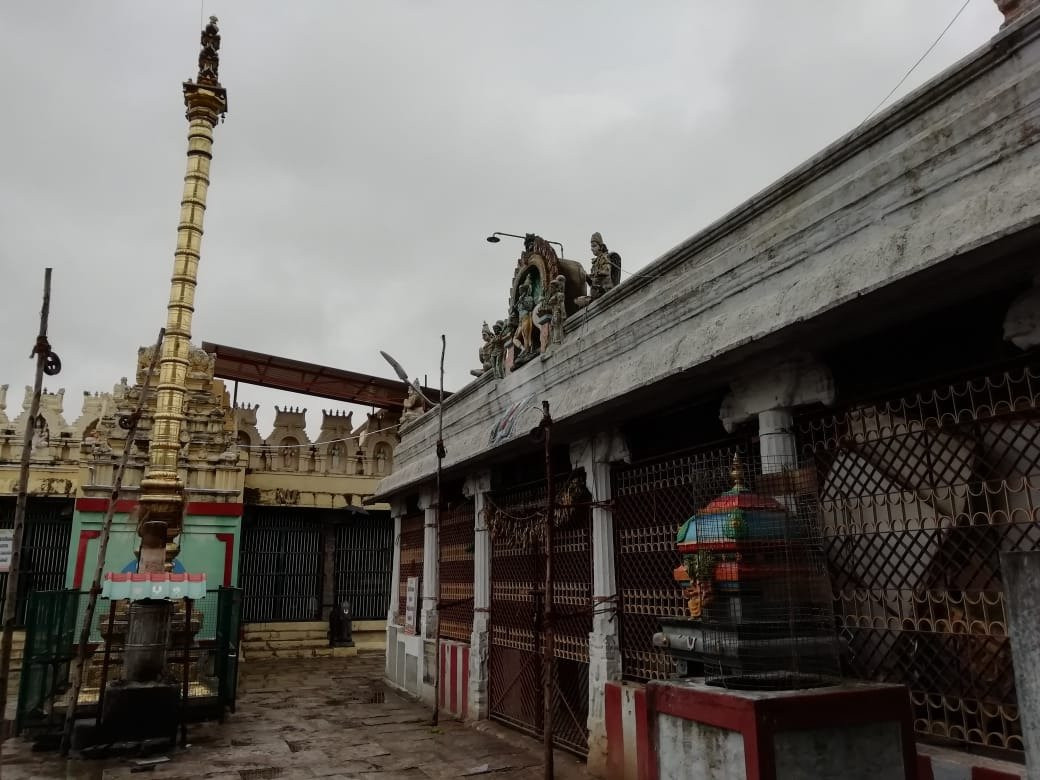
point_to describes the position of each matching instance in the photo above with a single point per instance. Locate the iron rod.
(106, 529)
(184, 669)
(437, 540)
(10, 610)
(548, 649)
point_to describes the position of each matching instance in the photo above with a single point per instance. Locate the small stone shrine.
(758, 595)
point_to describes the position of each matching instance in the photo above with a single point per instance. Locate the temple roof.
(296, 376)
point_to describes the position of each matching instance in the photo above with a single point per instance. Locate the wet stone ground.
(320, 718)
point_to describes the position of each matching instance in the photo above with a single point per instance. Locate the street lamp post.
(494, 239)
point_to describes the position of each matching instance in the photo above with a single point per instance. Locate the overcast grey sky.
(370, 148)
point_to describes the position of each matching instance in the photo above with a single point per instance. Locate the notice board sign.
(411, 605)
(6, 548)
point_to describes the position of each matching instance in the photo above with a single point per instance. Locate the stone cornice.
(952, 167)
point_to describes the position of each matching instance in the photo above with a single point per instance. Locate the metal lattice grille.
(412, 544)
(364, 557)
(281, 566)
(45, 547)
(517, 593)
(919, 495)
(455, 611)
(651, 500)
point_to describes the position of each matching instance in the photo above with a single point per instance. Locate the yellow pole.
(162, 498)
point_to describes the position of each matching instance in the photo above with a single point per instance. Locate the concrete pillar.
(1022, 321)
(431, 575)
(476, 487)
(595, 455)
(769, 391)
(1021, 573)
(397, 510)
(328, 579)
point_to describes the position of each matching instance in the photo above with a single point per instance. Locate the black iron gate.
(45, 547)
(281, 565)
(919, 494)
(229, 619)
(49, 650)
(517, 592)
(363, 565)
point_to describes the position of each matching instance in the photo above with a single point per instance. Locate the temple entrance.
(296, 562)
(517, 599)
(281, 565)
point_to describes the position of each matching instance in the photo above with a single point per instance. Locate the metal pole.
(188, 603)
(437, 536)
(547, 622)
(106, 529)
(107, 658)
(42, 352)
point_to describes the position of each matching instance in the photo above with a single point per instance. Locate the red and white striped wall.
(629, 753)
(454, 677)
(627, 723)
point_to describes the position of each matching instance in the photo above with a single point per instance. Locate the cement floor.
(318, 718)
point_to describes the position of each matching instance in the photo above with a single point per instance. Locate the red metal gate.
(411, 563)
(517, 577)
(651, 500)
(455, 604)
(919, 493)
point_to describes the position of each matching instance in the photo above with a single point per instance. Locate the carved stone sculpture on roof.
(552, 312)
(604, 270)
(542, 284)
(484, 354)
(413, 406)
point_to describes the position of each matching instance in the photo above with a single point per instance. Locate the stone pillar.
(328, 580)
(769, 392)
(397, 510)
(1022, 321)
(1021, 573)
(431, 575)
(476, 487)
(595, 455)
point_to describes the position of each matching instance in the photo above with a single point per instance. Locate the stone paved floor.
(320, 718)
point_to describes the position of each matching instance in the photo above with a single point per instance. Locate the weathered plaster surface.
(953, 167)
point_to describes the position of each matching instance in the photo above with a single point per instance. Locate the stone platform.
(318, 718)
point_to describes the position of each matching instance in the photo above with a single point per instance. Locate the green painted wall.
(201, 551)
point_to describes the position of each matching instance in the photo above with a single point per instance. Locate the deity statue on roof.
(604, 270)
(413, 406)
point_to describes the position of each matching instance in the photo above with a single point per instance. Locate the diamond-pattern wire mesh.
(517, 592)
(455, 610)
(411, 563)
(918, 496)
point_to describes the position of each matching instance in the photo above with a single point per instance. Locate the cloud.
(370, 147)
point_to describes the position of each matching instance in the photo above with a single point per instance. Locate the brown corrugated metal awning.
(295, 376)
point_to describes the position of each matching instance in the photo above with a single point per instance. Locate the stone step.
(279, 643)
(300, 652)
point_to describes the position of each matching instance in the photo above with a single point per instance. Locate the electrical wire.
(312, 444)
(920, 59)
(742, 242)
